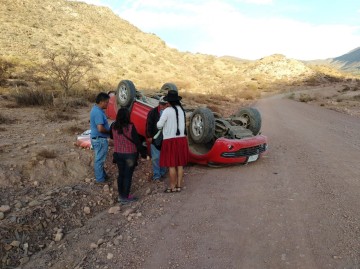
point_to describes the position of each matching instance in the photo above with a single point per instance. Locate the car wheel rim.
(245, 119)
(122, 94)
(197, 125)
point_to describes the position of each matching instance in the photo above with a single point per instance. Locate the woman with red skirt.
(174, 149)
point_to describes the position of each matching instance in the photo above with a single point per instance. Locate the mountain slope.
(349, 61)
(121, 51)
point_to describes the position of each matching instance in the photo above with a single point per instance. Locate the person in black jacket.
(151, 130)
(126, 148)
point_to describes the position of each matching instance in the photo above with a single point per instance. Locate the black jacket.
(152, 118)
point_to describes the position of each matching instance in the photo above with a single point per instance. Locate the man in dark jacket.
(151, 130)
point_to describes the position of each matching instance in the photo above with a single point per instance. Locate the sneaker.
(125, 201)
(101, 182)
(132, 198)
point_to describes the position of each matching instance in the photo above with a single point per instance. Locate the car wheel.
(125, 93)
(250, 119)
(202, 125)
(167, 87)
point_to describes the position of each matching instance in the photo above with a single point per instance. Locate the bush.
(5, 68)
(305, 98)
(32, 97)
(58, 115)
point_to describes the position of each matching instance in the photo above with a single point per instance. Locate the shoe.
(125, 201)
(132, 197)
(101, 182)
(170, 190)
(156, 179)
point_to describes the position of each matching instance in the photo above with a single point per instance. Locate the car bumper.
(232, 151)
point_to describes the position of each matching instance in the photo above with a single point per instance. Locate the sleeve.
(160, 124)
(149, 124)
(135, 137)
(111, 130)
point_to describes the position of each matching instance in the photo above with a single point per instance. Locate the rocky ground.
(50, 205)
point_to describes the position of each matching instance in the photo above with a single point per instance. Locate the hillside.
(349, 61)
(121, 51)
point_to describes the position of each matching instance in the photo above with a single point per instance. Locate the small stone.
(100, 241)
(87, 180)
(2, 215)
(148, 191)
(58, 237)
(34, 203)
(87, 210)
(110, 256)
(36, 183)
(114, 210)
(106, 188)
(24, 260)
(15, 243)
(93, 246)
(4, 208)
(128, 212)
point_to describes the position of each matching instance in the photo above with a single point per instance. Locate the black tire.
(167, 87)
(125, 93)
(202, 125)
(251, 119)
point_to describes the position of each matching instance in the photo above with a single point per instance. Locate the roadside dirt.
(296, 207)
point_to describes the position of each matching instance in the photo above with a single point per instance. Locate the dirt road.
(296, 208)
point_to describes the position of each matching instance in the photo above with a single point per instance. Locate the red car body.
(223, 152)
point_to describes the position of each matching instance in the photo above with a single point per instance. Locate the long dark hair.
(122, 120)
(174, 104)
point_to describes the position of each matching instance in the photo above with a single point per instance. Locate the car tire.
(167, 87)
(202, 125)
(252, 119)
(125, 93)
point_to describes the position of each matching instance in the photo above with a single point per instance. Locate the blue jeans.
(126, 163)
(158, 171)
(100, 147)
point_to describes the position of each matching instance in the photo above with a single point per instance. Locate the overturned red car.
(213, 140)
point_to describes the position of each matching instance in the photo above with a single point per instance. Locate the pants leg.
(100, 146)
(126, 165)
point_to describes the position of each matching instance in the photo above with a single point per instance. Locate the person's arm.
(135, 137)
(160, 124)
(150, 125)
(102, 129)
(111, 130)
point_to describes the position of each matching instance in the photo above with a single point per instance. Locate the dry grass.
(32, 97)
(58, 115)
(6, 120)
(304, 97)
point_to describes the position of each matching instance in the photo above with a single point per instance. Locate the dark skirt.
(174, 152)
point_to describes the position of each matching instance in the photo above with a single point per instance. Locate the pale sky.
(248, 29)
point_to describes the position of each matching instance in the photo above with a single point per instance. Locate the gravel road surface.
(298, 207)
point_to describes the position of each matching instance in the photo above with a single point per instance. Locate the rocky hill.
(121, 51)
(349, 61)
